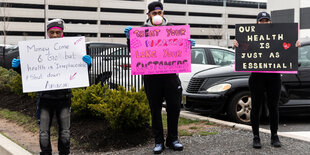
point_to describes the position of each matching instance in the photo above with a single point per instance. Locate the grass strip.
(27, 122)
(207, 133)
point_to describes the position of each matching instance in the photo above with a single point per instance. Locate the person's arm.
(126, 31)
(128, 44)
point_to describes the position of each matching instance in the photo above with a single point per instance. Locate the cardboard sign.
(160, 50)
(52, 64)
(268, 48)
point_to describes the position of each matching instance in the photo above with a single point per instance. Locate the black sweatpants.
(261, 84)
(159, 88)
(62, 109)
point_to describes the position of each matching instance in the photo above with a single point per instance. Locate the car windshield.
(304, 56)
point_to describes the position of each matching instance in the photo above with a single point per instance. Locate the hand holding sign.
(87, 59)
(298, 44)
(15, 63)
(126, 31)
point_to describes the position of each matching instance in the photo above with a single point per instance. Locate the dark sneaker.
(176, 146)
(275, 142)
(256, 142)
(159, 148)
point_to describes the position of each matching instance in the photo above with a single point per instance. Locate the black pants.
(159, 88)
(261, 84)
(62, 109)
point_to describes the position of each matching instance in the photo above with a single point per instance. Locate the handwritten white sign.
(52, 64)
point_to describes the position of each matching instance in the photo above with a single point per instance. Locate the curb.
(8, 147)
(193, 116)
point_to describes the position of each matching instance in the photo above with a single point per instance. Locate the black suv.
(222, 90)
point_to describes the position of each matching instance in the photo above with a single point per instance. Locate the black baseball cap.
(155, 6)
(263, 15)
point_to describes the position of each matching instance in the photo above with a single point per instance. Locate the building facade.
(212, 21)
(286, 11)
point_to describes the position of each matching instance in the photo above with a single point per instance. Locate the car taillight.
(126, 66)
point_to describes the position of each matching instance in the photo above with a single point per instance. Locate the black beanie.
(154, 5)
(55, 23)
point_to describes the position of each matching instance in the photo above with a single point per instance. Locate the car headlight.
(219, 88)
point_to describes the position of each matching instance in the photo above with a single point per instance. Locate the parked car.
(205, 57)
(202, 57)
(7, 53)
(222, 90)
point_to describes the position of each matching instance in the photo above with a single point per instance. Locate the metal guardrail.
(112, 66)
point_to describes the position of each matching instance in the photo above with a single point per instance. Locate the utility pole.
(45, 18)
(225, 26)
(5, 20)
(186, 13)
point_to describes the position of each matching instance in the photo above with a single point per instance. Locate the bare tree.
(25, 34)
(5, 18)
(217, 34)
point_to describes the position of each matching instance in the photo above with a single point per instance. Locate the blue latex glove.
(15, 63)
(87, 59)
(193, 42)
(126, 31)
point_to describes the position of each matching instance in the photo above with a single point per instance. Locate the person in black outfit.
(271, 84)
(162, 87)
(54, 101)
(265, 85)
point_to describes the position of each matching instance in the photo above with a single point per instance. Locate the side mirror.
(299, 64)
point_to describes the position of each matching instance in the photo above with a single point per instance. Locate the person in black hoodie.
(261, 84)
(58, 101)
(162, 87)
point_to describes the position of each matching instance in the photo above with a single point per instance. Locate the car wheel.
(239, 108)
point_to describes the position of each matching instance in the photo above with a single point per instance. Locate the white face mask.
(157, 20)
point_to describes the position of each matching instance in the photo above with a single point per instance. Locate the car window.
(222, 57)
(9, 49)
(198, 56)
(304, 56)
(12, 50)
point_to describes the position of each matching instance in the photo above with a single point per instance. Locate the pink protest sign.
(160, 50)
